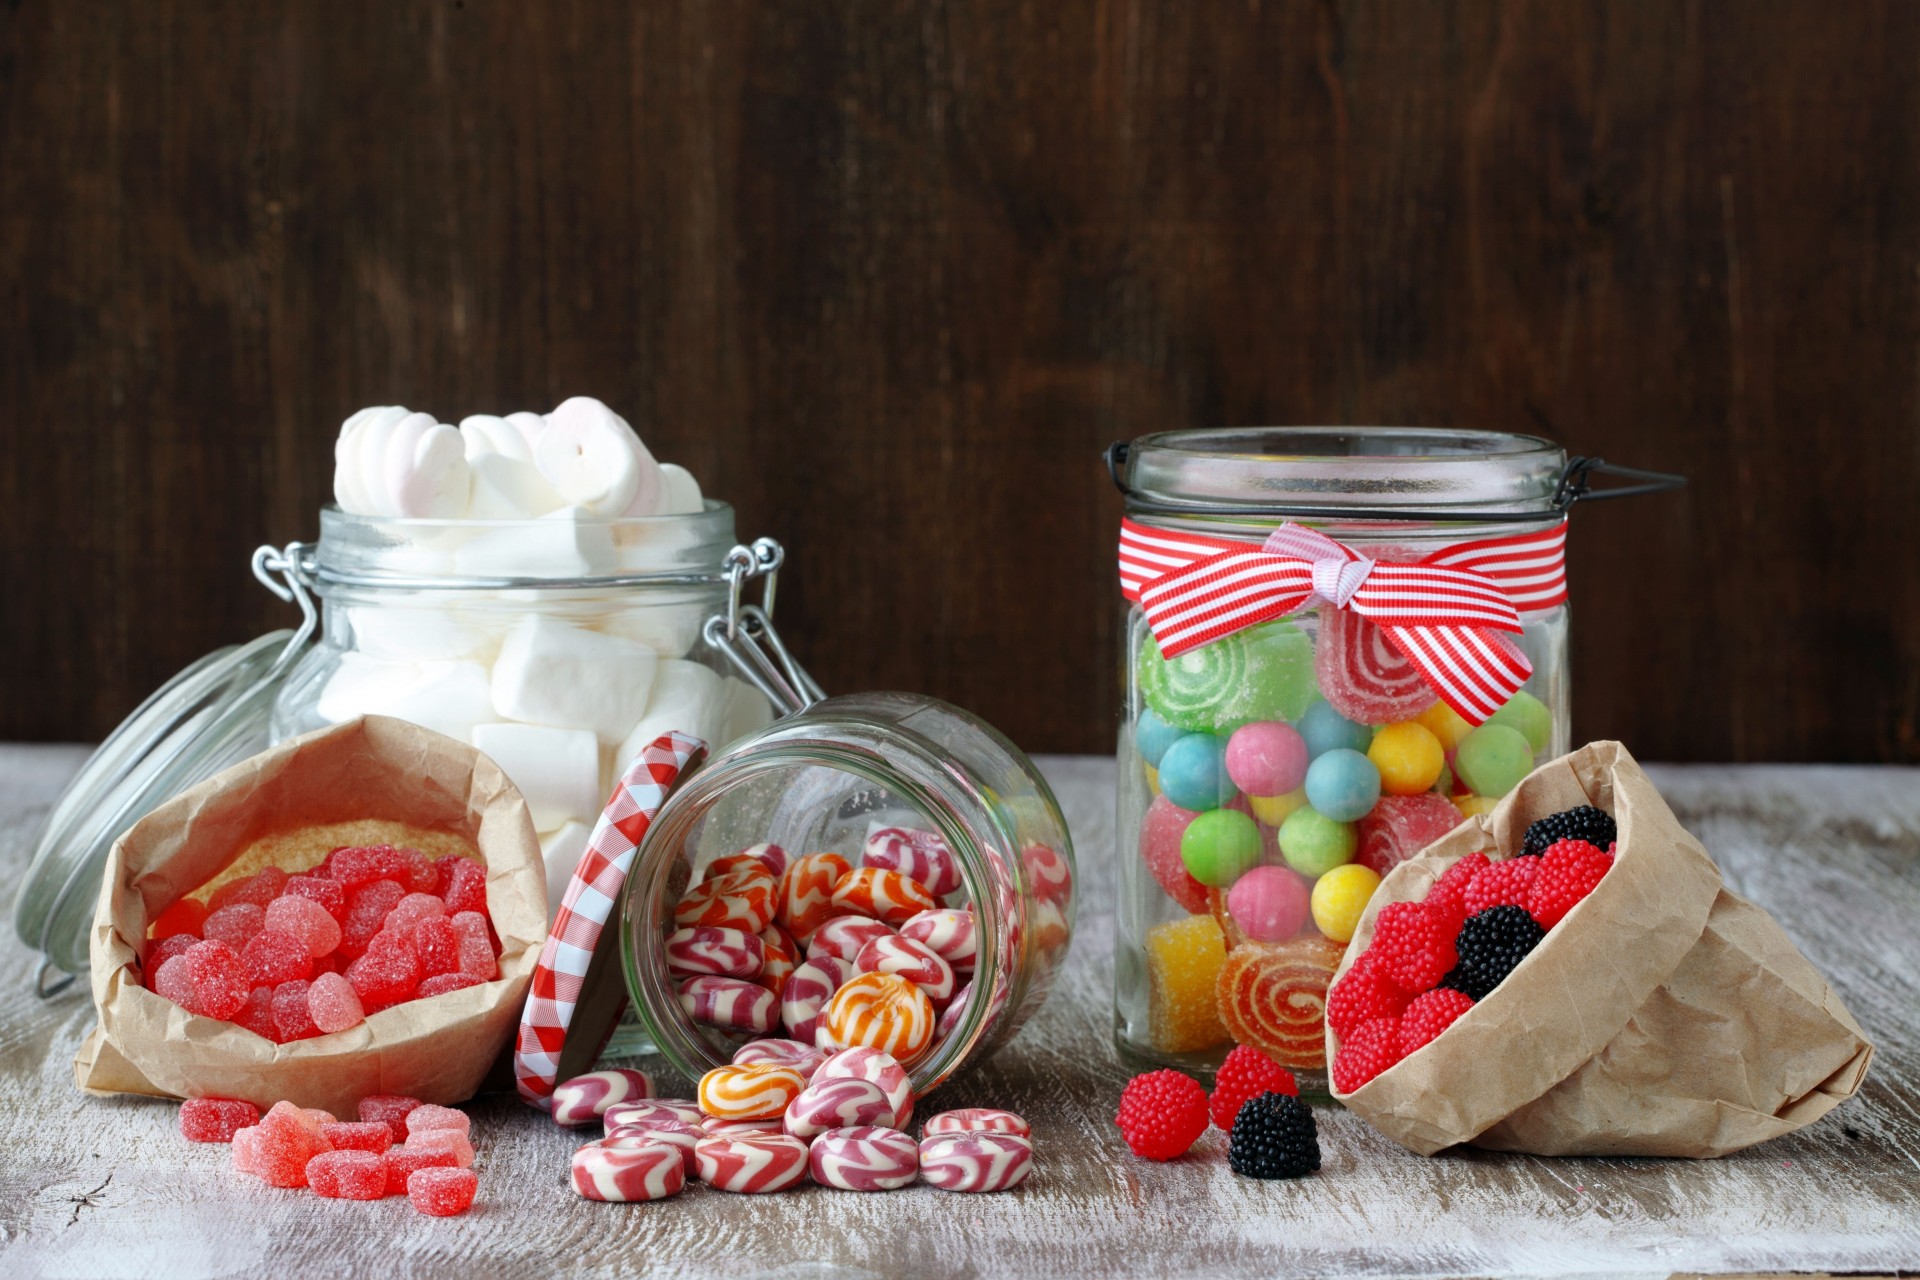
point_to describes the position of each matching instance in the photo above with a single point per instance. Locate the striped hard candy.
(919, 855)
(804, 996)
(585, 1098)
(1048, 920)
(864, 1158)
(802, 1057)
(951, 1015)
(805, 899)
(905, 958)
(884, 895)
(739, 899)
(975, 1161)
(779, 955)
(749, 1093)
(948, 932)
(628, 1172)
(843, 936)
(1049, 875)
(706, 949)
(977, 1119)
(752, 1163)
(878, 1011)
(770, 856)
(875, 1067)
(734, 1128)
(622, 1114)
(734, 1003)
(678, 1134)
(839, 1104)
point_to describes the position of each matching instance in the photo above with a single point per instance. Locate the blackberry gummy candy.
(442, 1193)
(1595, 826)
(1274, 1136)
(347, 1175)
(1162, 1114)
(1246, 1074)
(1491, 945)
(216, 1119)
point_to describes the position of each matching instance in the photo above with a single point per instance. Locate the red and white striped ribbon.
(1445, 612)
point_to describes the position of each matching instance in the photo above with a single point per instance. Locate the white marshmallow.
(446, 697)
(561, 851)
(687, 697)
(557, 770)
(389, 462)
(593, 459)
(669, 629)
(747, 710)
(679, 492)
(568, 543)
(554, 674)
(406, 634)
(350, 488)
(506, 483)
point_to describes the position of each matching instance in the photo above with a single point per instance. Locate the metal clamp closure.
(745, 634)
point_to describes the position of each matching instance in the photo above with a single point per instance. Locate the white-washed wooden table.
(93, 1188)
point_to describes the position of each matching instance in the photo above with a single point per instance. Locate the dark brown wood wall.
(889, 275)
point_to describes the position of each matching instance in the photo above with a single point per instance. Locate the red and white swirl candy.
(807, 990)
(742, 898)
(843, 936)
(748, 1093)
(1049, 875)
(977, 1120)
(864, 1158)
(706, 949)
(585, 1098)
(678, 1134)
(733, 1003)
(752, 1163)
(628, 1172)
(735, 1128)
(975, 1161)
(772, 854)
(875, 1067)
(780, 956)
(905, 958)
(916, 854)
(623, 1114)
(803, 1058)
(948, 932)
(839, 1104)
(951, 1015)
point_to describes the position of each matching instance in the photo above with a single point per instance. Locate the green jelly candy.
(1262, 673)
(1314, 844)
(1493, 758)
(1220, 846)
(1530, 716)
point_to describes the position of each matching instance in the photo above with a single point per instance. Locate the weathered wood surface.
(888, 275)
(108, 1189)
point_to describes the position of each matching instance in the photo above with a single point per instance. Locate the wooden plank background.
(889, 275)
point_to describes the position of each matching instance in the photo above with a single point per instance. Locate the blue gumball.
(1193, 772)
(1152, 736)
(1327, 730)
(1342, 784)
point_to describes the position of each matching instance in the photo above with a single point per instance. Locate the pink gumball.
(1266, 758)
(1269, 904)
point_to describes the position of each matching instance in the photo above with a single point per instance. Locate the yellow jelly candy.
(1153, 778)
(1339, 897)
(1474, 806)
(1273, 810)
(1444, 723)
(1184, 959)
(1409, 758)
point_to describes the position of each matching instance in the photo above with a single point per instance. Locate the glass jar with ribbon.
(1339, 643)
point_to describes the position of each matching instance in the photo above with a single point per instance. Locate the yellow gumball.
(1153, 778)
(1444, 723)
(1409, 758)
(1273, 810)
(1474, 806)
(1339, 897)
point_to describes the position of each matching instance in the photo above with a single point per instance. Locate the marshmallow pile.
(393, 462)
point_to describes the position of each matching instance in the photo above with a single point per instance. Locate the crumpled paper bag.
(1664, 1016)
(437, 1050)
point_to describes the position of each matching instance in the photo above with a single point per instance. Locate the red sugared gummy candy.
(258, 889)
(292, 1019)
(272, 957)
(256, 1015)
(1162, 1114)
(158, 953)
(284, 1140)
(1429, 1015)
(235, 925)
(441, 983)
(185, 916)
(328, 893)
(1412, 945)
(1371, 1049)
(429, 1118)
(348, 1175)
(354, 866)
(449, 1140)
(463, 886)
(367, 909)
(442, 1193)
(217, 983)
(413, 909)
(437, 943)
(305, 919)
(390, 1109)
(388, 973)
(1362, 995)
(216, 1119)
(1501, 884)
(1247, 1073)
(1569, 871)
(403, 1162)
(359, 1135)
(333, 1003)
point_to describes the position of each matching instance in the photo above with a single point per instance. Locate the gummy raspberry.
(1361, 995)
(442, 1193)
(441, 983)
(348, 1175)
(1162, 1114)
(329, 893)
(1503, 884)
(390, 1109)
(404, 1162)
(1247, 1073)
(1371, 1049)
(235, 924)
(215, 1119)
(1429, 1015)
(271, 958)
(1569, 870)
(1587, 823)
(359, 1135)
(185, 916)
(1412, 945)
(1274, 1136)
(1492, 944)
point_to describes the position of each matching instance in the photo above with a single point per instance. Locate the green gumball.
(1493, 758)
(1262, 673)
(1220, 846)
(1530, 716)
(1314, 844)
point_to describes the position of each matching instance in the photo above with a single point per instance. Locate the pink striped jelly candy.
(733, 1003)
(864, 1158)
(843, 936)
(875, 1067)
(916, 854)
(585, 1098)
(975, 1161)
(628, 1173)
(622, 1114)
(803, 1058)
(839, 1104)
(948, 932)
(677, 1134)
(804, 996)
(714, 950)
(752, 1164)
(977, 1119)
(908, 959)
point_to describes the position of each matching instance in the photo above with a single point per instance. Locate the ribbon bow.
(1444, 614)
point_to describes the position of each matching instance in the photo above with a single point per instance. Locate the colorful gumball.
(1266, 758)
(864, 1158)
(1314, 844)
(1220, 846)
(1446, 724)
(878, 1011)
(1193, 773)
(1530, 716)
(1408, 757)
(1269, 904)
(806, 894)
(751, 1164)
(1271, 811)
(1324, 729)
(1339, 897)
(756, 1092)
(1342, 784)
(1493, 759)
(975, 1161)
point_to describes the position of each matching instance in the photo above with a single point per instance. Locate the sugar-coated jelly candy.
(186, 915)
(628, 1172)
(749, 1093)
(216, 1119)
(328, 893)
(437, 944)
(478, 952)
(158, 953)
(403, 1162)
(864, 1158)
(334, 1004)
(631, 1113)
(305, 919)
(463, 886)
(1183, 963)
(980, 1119)
(921, 856)
(367, 908)
(876, 1067)
(430, 1118)
(216, 984)
(442, 1193)
(948, 932)
(1363, 674)
(908, 959)
(1314, 844)
(1262, 673)
(256, 1015)
(802, 1057)
(838, 1104)
(711, 950)
(585, 1098)
(348, 1175)
(260, 888)
(412, 910)
(284, 1140)
(245, 1158)
(358, 1135)
(843, 937)
(878, 1011)
(975, 1161)
(751, 1164)
(1193, 773)
(449, 1140)
(441, 983)
(1269, 904)
(734, 1003)
(1401, 826)
(235, 925)
(390, 1109)
(271, 958)
(882, 894)
(355, 865)
(1219, 846)
(1492, 759)
(1275, 997)
(804, 995)
(805, 896)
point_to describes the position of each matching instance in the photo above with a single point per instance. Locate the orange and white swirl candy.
(805, 900)
(756, 856)
(885, 895)
(761, 1091)
(740, 899)
(878, 1011)
(779, 956)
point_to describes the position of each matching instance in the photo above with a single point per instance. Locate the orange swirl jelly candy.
(1275, 999)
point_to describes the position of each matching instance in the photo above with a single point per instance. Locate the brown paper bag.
(1664, 1016)
(438, 1049)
